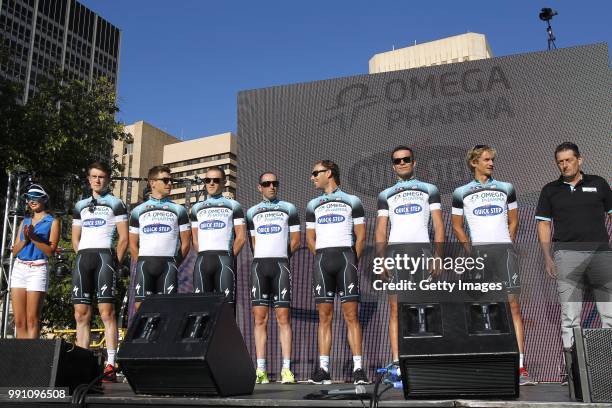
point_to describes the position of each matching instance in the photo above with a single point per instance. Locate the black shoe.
(359, 377)
(319, 376)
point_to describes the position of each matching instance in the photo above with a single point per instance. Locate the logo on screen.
(350, 102)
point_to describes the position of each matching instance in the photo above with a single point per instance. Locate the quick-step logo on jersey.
(212, 225)
(488, 210)
(331, 219)
(269, 229)
(408, 209)
(156, 229)
(94, 223)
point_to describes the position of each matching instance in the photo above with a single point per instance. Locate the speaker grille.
(468, 375)
(598, 351)
(27, 363)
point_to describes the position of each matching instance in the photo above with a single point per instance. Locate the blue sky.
(183, 62)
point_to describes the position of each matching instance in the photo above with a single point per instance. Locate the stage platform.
(277, 395)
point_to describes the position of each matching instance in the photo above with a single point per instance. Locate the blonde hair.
(476, 152)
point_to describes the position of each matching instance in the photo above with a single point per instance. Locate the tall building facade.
(46, 35)
(145, 151)
(459, 48)
(193, 157)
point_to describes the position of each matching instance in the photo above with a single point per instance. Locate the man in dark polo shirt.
(577, 205)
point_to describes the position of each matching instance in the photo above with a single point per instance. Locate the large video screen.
(523, 105)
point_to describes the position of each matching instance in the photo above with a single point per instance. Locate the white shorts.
(30, 275)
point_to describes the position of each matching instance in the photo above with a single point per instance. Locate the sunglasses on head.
(407, 159)
(480, 146)
(316, 172)
(213, 180)
(269, 183)
(165, 180)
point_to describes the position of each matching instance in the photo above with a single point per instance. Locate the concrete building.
(459, 48)
(193, 157)
(146, 151)
(45, 35)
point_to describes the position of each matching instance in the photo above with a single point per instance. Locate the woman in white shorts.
(35, 243)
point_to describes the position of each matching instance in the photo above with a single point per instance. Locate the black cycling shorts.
(213, 272)
(94, 272)
(501, 264)
(155, 275)
(271, 282)
(335, 271)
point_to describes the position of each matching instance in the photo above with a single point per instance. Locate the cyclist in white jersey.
(218, 233)
(408, 206)
(274, 226)
(94, 222)
(490, 210)
(335, 234)
(159, 231)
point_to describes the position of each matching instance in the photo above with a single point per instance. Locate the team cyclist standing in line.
(159, 234)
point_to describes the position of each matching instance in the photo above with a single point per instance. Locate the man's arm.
(294, 241)
(134, 238)
(513, 222)
(311, 240)
(122, 240)
(438, 227)
(240, 239)
(544, 238)
(360, 237)
(194, 238)
(460, 233)
(380, 235)
(76, 237)
(185, 237)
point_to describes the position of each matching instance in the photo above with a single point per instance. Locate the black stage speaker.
(187, 344)
(46, 363)
(591, 368)
(452, 349)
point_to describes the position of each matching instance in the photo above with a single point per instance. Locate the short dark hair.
(267, 172)
(402, 147)
(567, 146)
(155, 170)
(98, 165)
(330, 165)
(217, 168)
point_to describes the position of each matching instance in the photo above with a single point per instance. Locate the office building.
(42, 36)
(459, 48)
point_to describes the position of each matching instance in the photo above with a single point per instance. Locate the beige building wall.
(459, 48)
(144, 152)
(191, 158)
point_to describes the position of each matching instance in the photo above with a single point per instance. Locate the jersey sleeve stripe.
(512, 205)
(310, 225)
(457, 211)
(538, 217)
(134, 230)
(239, 221)
(435, 206)
(294, 228)
(358, 220)
(383, 213)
